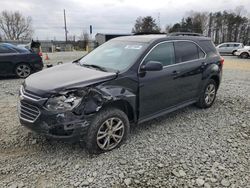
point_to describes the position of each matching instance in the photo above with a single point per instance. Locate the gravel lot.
(187, 148)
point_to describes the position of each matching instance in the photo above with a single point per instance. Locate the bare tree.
(15, 26)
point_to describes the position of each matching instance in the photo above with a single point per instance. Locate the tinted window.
(163, 53)
(15, 48)
(4, 49)
(208, 47)
(223, 46)
(236, 45)
(186, 51)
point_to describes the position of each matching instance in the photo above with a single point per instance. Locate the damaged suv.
(125, 81)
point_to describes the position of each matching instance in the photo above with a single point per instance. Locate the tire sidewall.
(202, 102)
(243, 55)
(99, 119)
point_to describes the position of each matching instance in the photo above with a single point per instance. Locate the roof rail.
(185, 34)
(149, 33)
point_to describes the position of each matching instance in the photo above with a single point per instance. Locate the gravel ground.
(187, 148)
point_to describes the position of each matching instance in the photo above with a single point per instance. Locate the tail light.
(40, 54)
(222, 61)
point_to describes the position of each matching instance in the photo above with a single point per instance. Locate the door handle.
(174, 73)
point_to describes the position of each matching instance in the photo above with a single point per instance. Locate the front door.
(157, 89)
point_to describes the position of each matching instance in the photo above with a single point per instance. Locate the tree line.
(221, 26)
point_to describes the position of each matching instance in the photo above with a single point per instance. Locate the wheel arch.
(124, 106)
(216, 78)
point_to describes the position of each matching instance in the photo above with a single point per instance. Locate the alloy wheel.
(110, 133)
(210, 94)
(23, 71)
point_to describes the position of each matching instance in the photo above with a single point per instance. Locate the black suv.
(125, 81)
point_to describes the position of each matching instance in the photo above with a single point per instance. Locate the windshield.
(114, 55)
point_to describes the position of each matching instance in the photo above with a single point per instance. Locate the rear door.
(223, 48)
(7, 58)
(190, 63)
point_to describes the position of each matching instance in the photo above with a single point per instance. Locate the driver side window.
(163, 53)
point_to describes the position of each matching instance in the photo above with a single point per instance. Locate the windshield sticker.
(133, 47)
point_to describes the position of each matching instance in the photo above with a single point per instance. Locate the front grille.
(29, 95)
(28, 112)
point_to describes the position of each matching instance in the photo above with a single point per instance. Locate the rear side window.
(163, 53)
(186, 51)
(208, 47)
(4, 49)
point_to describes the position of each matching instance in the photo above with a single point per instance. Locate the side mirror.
(152, 66)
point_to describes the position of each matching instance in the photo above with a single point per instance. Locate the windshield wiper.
(96, 67)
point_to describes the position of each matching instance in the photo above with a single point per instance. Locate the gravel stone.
(182, 173)
(175, 173)
(225, 183)
(127, 181)
(200, 182)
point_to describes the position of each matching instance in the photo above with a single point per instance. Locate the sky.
(107, 16)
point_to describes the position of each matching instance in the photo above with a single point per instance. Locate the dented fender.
(97, 97)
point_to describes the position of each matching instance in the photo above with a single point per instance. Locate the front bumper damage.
(60, 126)
(68, 126)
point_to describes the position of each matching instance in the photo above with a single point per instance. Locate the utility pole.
(159, 19)
(65, 26)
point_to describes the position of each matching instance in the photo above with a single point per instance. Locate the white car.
(229, 47)
(243, 52)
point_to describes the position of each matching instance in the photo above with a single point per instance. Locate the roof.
(152, 38)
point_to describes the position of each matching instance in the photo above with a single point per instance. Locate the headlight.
(63, 102)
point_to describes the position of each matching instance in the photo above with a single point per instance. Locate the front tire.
(208, 95)
(244, 55)
(108, 130)
(22, 70)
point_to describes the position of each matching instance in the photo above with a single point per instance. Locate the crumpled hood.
(68, 75)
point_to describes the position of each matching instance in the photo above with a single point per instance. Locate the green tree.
(146, 25)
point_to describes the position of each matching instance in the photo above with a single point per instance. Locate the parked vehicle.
(229, 47)
(243, 52)
(125, 81)
(18, 61)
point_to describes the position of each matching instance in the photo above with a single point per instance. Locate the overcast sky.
(107, 16)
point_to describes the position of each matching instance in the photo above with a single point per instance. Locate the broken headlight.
(63, 102)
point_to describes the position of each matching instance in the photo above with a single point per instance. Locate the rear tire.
(208, 95)
(108, 130)
(233, 53)
(22, 70)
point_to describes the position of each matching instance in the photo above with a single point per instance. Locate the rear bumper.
(38, 66)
